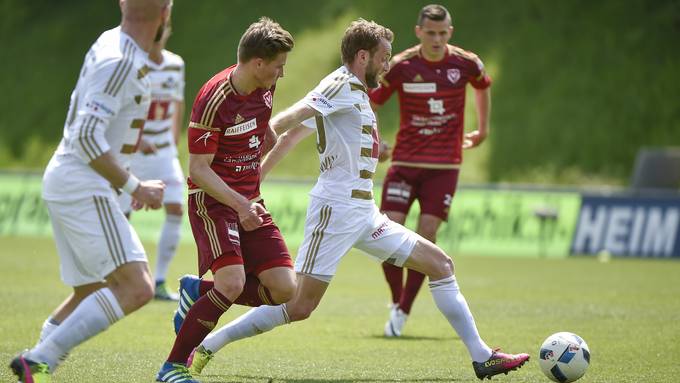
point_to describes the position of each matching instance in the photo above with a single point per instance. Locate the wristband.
(131, 184)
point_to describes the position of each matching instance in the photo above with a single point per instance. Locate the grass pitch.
(627, 310)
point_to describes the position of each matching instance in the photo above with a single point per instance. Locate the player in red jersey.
(235, 236)
(430, 79)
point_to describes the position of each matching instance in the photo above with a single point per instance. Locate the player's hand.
(150, 194)
(250, 216)
(147, 147)
(384, 151)
(473, 139)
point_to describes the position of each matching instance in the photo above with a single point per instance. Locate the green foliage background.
(579, 86)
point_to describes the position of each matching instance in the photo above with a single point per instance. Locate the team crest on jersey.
(267, 97)
(453, 75)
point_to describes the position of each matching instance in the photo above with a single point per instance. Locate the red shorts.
(433, 188)
(221, 241)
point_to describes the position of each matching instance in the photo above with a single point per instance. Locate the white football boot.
(396, 322)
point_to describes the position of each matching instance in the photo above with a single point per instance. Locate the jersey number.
(158, 110)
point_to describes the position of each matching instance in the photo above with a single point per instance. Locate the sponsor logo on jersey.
(204, 137)
(98, 106)
(420, 87)
(170, 83)
(254, 142)
(436, 106)
(267, 98)
(322, 102)
(418, 78)
(241, 128)
(239, 119)
(453, 75)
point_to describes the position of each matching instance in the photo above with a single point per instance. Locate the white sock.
(47, 328)
(167, 245)
(452, 304)
(93, 315)
(255, 321)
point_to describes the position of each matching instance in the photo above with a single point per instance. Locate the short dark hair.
(434, 12)
(363, 34)
(264, 39)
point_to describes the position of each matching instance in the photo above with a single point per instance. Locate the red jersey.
(232, 127)
(431, 104)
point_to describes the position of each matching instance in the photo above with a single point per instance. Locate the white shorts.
(93, 239)
(154, 167)
(332, 228)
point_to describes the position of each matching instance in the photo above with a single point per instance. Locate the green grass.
(627, 310)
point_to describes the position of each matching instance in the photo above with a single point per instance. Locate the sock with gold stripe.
(254, 293)
(200, 320)
(93, 315)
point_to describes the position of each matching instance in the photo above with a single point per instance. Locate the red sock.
(414, 280)
(205, 286)
(201, 319)
(393, 276)
(254, 293)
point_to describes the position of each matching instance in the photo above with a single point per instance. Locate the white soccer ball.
(564, 357)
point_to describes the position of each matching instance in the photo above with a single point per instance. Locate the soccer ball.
(564, 357)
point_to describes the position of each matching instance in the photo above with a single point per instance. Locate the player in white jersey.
(342, 213)
(157, 159)
(100, 254)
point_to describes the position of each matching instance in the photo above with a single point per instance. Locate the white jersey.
(347, 138)
(167, 88)
(107, 113)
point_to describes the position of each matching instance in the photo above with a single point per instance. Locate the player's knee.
(231, 287)
(441, 265)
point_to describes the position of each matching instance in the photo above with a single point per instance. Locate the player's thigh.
(387, 241)
(280, 281)
(398, 190)
(436, 190)
(428, 225)
(331, 229)
(216, 232)
(93, 238)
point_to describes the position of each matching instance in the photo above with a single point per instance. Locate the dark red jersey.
(431, 104)
(232, 127)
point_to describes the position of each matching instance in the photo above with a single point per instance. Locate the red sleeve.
(203, 134)
(481, 80)
(388, 85)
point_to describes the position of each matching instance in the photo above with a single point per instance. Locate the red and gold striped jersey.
(233, 127)
(431, 104)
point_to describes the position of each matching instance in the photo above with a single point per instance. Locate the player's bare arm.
(149, 193)
(204, 177)
(483, 106)
(290, 122)
(285, 143)
(270, 138)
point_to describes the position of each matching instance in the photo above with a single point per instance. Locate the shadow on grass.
(252, 378)
(416, 337)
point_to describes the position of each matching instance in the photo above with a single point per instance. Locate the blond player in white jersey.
(100, 254)
(342, 213)
(157, 159)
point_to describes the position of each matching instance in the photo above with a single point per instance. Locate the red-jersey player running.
(430, 79)
(236, 237)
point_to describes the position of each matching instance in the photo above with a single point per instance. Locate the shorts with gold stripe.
(222, 242)
(333, 227)
(93, 238)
